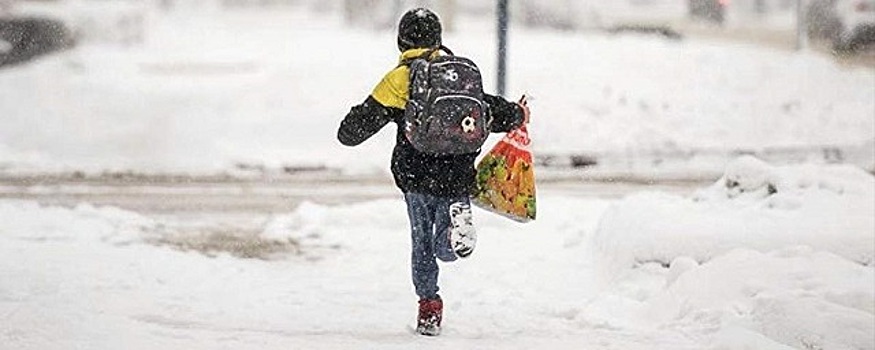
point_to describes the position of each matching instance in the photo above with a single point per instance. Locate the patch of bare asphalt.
(211, 241)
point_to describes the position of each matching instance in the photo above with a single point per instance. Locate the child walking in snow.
(436, 188)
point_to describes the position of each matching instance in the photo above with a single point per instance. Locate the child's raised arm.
(363, 121)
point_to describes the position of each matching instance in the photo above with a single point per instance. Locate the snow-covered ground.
(768, 257)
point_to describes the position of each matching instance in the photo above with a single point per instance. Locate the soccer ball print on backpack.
(446, 113)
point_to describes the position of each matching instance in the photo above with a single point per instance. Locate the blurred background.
(648, 91)
(29, 28)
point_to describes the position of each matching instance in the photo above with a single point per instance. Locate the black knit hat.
(419, 28)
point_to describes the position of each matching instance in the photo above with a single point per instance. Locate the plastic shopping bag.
(506, 178)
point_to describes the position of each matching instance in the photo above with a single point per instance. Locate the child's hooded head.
(419, 28)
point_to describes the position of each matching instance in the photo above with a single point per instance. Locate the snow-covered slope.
(209, 91)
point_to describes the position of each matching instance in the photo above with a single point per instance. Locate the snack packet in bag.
(506, 178)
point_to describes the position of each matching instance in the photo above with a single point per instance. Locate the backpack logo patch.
(451, 75)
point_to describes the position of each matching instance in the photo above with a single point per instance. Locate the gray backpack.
(445, 112)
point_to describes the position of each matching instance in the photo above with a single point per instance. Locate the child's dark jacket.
(414, 171)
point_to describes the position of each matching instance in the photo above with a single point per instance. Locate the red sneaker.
(430, 314)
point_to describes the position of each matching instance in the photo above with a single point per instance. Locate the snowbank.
(83, 224)
(754, 205)
(792, 298)
(319, 227)
(766, 258)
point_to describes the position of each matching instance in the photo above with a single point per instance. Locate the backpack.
(446, 113)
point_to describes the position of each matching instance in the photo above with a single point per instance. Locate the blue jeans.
(430, 232)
